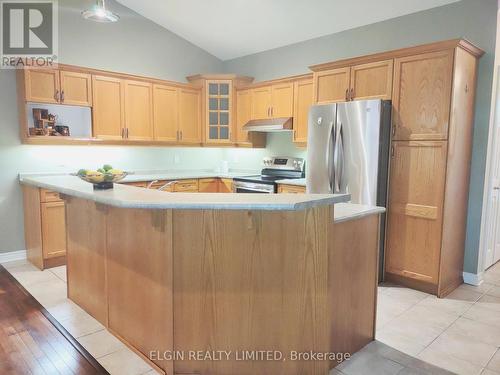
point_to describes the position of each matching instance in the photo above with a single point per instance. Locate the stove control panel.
(288, 163)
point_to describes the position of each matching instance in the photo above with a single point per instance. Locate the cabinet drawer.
(291, 189)
(141, 184)
(186, 186)
(49, 196)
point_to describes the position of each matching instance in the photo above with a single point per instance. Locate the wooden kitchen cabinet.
(138, 110)
(272, 101)
(261, 103)
(303, 99)
(291, 189)
(208, 185)
(108, 111)
(417, 179)
(76, 88)
(44, 227)
(243, 115)
(282, 100)
(219, 111)
(371, 81)
(58, 87)
(422, 95)
(357, 82)
(53, 229)
(433, 115)
(166, 113)
(332, 86)
(189, 115)
(225, 185)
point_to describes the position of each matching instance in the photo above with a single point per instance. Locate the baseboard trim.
(475, 279)
(12, 256)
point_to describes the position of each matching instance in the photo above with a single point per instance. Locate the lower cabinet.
(291, 189)
(208, 185)
(415, 213)
(45, 227)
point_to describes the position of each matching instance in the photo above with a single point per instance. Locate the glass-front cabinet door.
(219, 107)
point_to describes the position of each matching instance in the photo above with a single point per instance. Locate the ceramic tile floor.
(416, 333)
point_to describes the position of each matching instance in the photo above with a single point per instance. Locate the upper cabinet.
(58, 87)
(243, 115)
(371, 81)
(422, 95)
(261, 103)
(357, 82)
(303, 99)
(332, 86)
(189, 115)
(273, 101)
(219, 113)
(76, 88)
(138, 110)
(282, 100)
(166, 113)
(108, 108)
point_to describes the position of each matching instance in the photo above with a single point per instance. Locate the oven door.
(251, 187)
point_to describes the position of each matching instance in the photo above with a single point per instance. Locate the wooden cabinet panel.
(291, 189)
(415, 211)
(189, 116)
(165, 112)
(421, 97)
(42, 85)
(108, 105)
(243, 114)
(282, 100)
(76, 88)
(186, 186)
(261, 103)
(225, 185)
(332, 85)
(53, 229)
(138, 110)
(208, 185)
(372, 81)
(303, 99)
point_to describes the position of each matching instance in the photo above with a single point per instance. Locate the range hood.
(270, 125)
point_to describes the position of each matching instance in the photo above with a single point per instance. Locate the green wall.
(474, 20)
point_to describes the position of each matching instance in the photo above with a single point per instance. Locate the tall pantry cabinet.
(433, 109)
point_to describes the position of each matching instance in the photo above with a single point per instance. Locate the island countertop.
(133, 197)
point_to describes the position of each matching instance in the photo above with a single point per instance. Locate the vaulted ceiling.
(234, 28)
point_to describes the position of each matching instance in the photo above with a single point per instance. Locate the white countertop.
(352, 211)
(134, 197)
(296, 182)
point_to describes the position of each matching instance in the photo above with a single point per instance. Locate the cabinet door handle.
(392, 151)
(123, 132)
(352, 94)
(126, 132)
(393, 130)
(177, 135)
(346, 95)
(56, 96)
(62, 96)
(181, 134)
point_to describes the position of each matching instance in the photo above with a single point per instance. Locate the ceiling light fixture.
(99, 13)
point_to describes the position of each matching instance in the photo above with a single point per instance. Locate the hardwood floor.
(31, 341)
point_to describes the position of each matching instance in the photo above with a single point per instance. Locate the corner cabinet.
(433, 109)
(218, 108)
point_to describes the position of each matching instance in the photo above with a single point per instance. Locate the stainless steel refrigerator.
(348, 151)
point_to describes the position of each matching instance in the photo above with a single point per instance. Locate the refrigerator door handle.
(339, 157)
(330, 162)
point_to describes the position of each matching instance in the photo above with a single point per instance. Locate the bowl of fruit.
(102, 178)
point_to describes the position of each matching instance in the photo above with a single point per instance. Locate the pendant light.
(99, 13)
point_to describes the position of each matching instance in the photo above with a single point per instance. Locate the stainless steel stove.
(276, 168)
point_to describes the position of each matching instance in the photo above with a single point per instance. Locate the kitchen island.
(222, 284)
